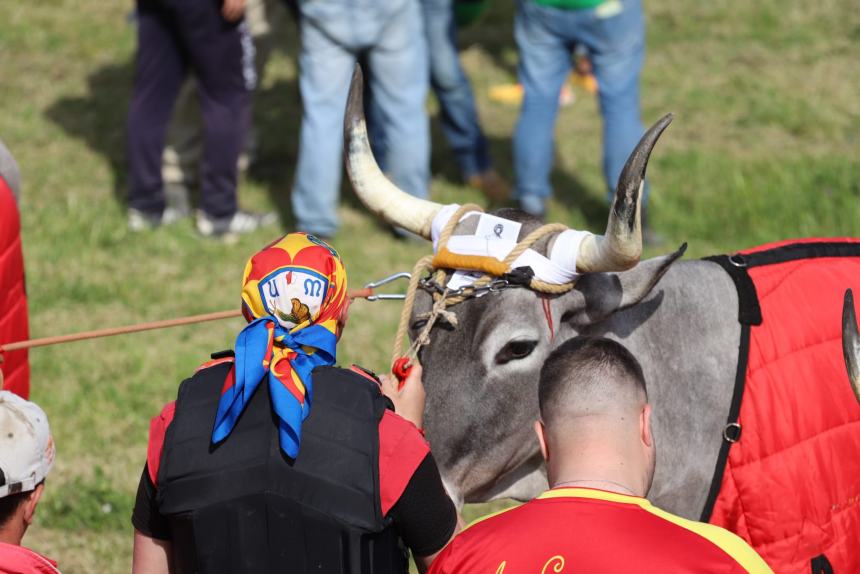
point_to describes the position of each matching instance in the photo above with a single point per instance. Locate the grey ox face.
(481, 376)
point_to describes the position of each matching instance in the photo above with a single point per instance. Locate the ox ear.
(601, 294)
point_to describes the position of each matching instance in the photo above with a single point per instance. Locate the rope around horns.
(443, 300)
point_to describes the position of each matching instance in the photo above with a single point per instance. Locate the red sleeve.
(157, 428)
(401, 450)
(441, 564)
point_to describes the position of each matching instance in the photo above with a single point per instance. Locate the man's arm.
(424, 515)
(151, 556)
(152, 547)
(424, 562)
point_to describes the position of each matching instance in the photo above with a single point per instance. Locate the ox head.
(851, 343)
(481, 376)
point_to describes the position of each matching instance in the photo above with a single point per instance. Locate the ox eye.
(514, 351)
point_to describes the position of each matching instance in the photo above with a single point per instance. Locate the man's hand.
(232, 10)
(408, 401)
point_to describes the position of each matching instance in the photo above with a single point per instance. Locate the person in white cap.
(26, 456)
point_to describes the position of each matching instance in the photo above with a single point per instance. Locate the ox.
(680, 318)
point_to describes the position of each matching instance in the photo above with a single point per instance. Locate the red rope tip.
(401, 370)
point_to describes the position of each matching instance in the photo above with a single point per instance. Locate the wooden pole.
(138, 327)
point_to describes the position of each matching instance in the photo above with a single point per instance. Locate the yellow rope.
(424, 264)
(443, 300)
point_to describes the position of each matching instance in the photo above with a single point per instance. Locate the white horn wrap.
(621, 247)
(851, 343)
(375, 191)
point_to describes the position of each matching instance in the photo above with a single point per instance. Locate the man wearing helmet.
(272, 459)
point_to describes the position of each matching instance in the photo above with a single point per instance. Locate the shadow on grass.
(98, 118)
(568, 189)
(277, 119)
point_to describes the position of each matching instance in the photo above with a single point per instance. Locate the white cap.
(26, 445)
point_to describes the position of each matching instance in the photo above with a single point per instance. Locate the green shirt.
(570, 4)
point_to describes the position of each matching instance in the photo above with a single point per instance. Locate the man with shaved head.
(596, 437)
(595, 414)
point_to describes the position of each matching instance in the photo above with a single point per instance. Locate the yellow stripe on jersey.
(728, 542)
(490, 515)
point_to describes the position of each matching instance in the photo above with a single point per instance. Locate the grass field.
(765, 146)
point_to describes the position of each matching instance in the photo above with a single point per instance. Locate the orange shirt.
(588, 530)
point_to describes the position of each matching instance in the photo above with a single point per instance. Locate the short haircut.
(9, 505)
(589, 376)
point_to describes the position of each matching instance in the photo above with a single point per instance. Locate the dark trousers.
(173, 36)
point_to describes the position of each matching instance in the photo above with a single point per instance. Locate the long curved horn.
(851, 342)
(375, 191)
(621, 247)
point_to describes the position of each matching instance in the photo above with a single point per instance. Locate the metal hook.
(388, 296)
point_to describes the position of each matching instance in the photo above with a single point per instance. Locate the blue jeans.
(389, 35)
(458, 115)
(613, 33)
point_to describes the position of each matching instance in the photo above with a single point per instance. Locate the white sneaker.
(141, 221)
(239, 223)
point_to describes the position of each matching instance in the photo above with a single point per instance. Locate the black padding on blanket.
(749, 312)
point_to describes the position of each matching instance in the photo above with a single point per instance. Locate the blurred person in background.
(388, 36)
(14, 366)
(306, 467)
(458, 114)
(612, 34)
(212, 40)
(26, 457)
(181, 160)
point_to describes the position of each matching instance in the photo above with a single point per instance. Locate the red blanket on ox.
(790, 485)
(13, 300)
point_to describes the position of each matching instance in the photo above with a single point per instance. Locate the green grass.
(765, 146)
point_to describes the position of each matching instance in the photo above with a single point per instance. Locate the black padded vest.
(242, 506)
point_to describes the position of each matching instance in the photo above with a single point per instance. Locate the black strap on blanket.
(749, 314)
(821, 565)
(795, 251)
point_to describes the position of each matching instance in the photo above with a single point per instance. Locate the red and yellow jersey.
(588, 530)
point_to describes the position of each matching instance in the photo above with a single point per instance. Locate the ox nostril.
(567, 316)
